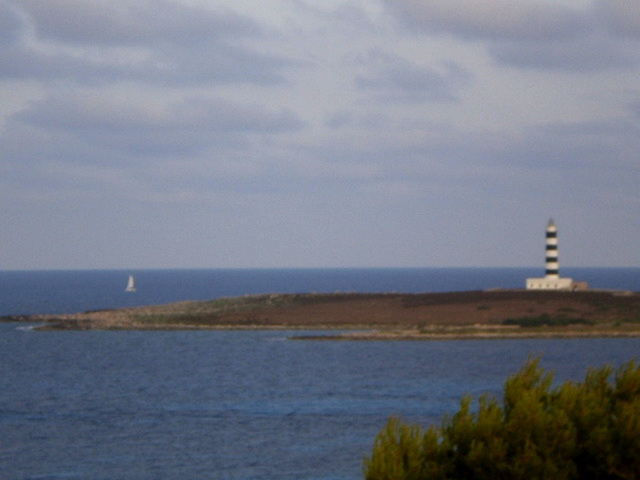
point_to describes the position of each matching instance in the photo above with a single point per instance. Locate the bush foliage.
(588, 430)
(546, 320)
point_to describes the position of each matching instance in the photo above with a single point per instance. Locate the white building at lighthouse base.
(550, 283)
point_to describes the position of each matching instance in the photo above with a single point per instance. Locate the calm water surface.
(241, 405)
(237, 405)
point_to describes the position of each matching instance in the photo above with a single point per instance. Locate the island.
(498, 313)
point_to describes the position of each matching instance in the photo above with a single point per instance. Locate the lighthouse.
(551, 249)
(551, 279)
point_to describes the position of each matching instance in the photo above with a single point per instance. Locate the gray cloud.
(620, 17)
(222, 64)
(11, 24)
(537, 34)
(586, 156)
(292, 124)
(151, 127)
(634, 108)
(610, 144)
(590, 54)
(161, 42)
(394, 78)
(494, 19)
(21, 62)
(144, 22)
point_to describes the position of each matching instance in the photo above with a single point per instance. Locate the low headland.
(499, 313)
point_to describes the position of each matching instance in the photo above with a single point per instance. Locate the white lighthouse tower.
(552, 279)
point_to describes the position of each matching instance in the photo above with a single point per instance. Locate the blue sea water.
(241, 405)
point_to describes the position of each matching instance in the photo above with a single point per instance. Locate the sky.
(299, 133)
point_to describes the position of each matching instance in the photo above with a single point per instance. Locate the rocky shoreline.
(425, 316)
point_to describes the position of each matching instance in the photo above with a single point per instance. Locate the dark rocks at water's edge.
(66, 324)
(34, 319)
(48, 323)
(15, 318)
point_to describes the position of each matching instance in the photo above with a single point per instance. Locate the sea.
(243, 404)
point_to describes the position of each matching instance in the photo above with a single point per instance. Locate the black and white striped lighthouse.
(552, 279)
(551, 250)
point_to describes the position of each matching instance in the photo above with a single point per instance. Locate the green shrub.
(588, 430)
(546, 320)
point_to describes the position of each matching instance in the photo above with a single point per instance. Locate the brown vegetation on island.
(473, 314)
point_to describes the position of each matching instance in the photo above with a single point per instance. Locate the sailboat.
(131, 285)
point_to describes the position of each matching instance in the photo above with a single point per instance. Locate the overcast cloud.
(282, 133)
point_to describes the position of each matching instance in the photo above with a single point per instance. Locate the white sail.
(131, 286)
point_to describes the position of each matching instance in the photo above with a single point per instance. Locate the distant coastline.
(62, 292)
(498, 313)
